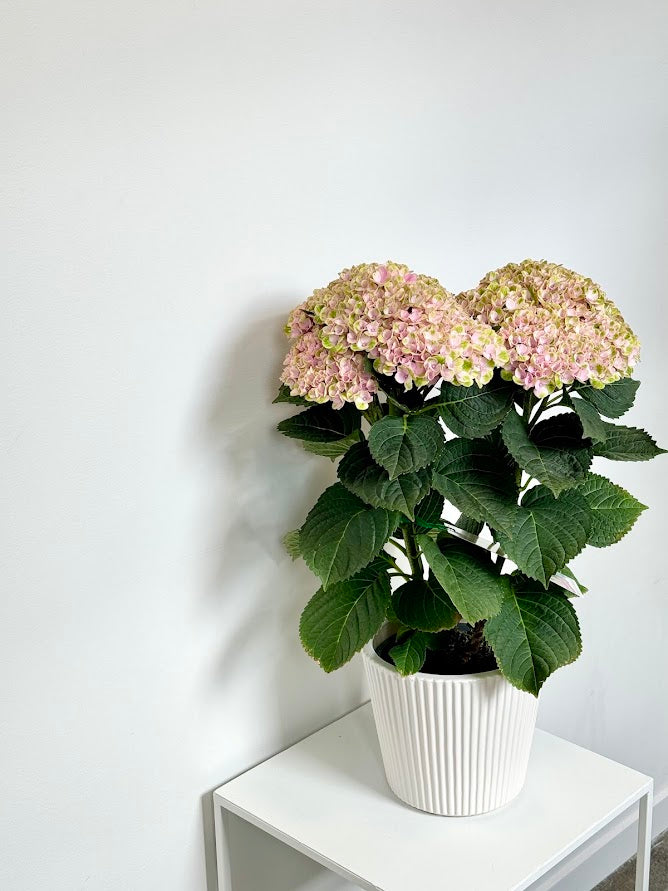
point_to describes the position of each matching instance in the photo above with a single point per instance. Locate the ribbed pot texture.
(455, 745)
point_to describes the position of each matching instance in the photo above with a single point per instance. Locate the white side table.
(327, 797)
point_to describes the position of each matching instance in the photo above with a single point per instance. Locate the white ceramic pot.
(455, 745)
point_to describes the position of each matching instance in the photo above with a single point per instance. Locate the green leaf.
(403, 444)
(342, 534)
(473, 586)
(410, 654)
(390, 614)
(374, 412)
(371, 482)
(291, 544)
(613, 400)
(554, 453)
(322, 424)
(548, 532)
(424, 605)
(430, 509)
(592, 425)
(613, 510)
(474, 411)
(333, 449)
(535, 633)
(567, 571)
(336, 623)
(397, 394)
(466, 524)
(284, 396)
(627, 444)
(478, 481)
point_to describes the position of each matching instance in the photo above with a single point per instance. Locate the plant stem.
(395, 565)
(543, 405)
(541, 409)
(528, 406)
(397, 545)
(498, 563)
(412, 552)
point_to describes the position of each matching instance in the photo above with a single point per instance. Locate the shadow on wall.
(262, 486)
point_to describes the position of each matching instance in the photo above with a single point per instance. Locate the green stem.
(528, 406)
(532, 422)
(395, 565)
(543, 406)
(397, 545)
(412, 552)
(498, 563)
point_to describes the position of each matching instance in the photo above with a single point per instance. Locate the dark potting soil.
(453, 656)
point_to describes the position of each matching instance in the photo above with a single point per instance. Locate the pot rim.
(369, 652)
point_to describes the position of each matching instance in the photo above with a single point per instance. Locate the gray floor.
(624, 878)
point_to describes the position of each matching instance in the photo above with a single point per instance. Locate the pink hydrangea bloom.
(557, 326)
(321, 375)
(407, 324)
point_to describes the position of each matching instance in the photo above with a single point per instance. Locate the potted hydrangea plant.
(492, 404)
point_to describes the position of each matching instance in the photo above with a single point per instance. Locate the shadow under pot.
(452, 744)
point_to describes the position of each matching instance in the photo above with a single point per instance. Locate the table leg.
(644, 842)
(220, 816)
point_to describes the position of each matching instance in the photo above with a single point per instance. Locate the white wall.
(180, 175)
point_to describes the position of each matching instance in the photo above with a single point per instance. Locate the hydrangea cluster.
(558, 326)
(407, 324)
(319, 374)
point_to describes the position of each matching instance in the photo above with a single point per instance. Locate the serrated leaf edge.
(643, 508)
(310, 651)
(563, 664)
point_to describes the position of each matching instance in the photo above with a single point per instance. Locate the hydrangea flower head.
(408, 325)
(557, 325)
(322, 375)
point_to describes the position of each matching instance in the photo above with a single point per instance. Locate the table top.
(327, 796)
